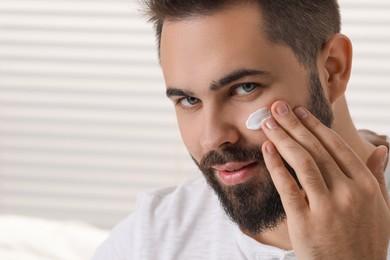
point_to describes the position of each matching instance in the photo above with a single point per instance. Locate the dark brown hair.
(302, 25)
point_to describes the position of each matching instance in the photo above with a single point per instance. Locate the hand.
(340, 212)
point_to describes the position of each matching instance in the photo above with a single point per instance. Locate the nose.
(218, 130)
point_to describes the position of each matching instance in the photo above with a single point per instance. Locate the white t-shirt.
(186, 222)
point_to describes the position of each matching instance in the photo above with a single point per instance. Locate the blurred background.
(85, 126)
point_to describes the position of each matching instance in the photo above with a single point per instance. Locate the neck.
(344, 126)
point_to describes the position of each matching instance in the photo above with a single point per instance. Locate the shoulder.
(165, 195)
(176, 206)
(182, 197)
(377, 140)
(186, 220)
(166, 220)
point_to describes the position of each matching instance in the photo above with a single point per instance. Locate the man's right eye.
(188, 102)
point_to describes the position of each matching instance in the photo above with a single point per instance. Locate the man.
(306, 185)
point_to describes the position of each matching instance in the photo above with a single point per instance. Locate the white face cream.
(255, 119)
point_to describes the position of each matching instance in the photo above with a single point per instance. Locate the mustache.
(229, 154)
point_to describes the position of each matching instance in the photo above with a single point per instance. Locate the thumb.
(376, 164)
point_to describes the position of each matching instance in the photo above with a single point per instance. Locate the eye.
(245, 88)
(188, 102)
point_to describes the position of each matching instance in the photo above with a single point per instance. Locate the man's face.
(218, 69)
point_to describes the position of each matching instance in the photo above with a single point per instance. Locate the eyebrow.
(214, 86)
(171, 92)
(234, 76)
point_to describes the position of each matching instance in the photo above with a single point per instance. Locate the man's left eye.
(245, 88)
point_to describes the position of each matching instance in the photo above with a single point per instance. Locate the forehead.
(230, 29)
(232, 22)
(229, 40)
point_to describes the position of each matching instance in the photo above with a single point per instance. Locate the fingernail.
(270, 148)
(301, 113)
(270, 123)
(282, 109)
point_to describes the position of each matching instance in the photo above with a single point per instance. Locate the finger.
(373, 137)
(293, 126)
(345, 157)
(291, 196)
(376, 164)
(298, 158)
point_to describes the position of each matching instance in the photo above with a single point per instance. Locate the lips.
(235, 172)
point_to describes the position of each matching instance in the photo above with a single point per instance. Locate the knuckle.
(311, 180)
(307, 164)
(293, 123)
(355, 196)
(314, 124)
(310, 177)
(293, 194)
(304, 135)
(293, 147)
(349, 197)
(320, 154)
(338, 144)
(370, 187)
(318, 150)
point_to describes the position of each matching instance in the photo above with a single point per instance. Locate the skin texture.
(340, 211)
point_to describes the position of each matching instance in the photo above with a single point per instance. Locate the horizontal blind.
(84, 122)
(367, 24)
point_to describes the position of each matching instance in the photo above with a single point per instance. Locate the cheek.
(294, 94)
(255, 138)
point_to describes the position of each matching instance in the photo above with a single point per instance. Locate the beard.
(255, 206)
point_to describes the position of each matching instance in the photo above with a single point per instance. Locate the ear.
(336, 62)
